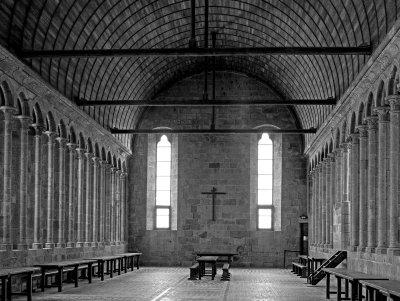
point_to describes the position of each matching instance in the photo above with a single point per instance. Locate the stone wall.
(223, 161)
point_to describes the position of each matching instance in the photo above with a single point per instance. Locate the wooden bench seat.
(194, 271)
(203, 261)
(380, 289)
(6, 276)
(299, 269)
(225, 272)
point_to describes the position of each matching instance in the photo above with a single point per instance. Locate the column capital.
(355, 138)
(88, 155)
(124, 174)
(394, 101)
(363, 130)
(25, 120)
(113, 169)
(80, 152)
(338, 151)
(61, 141)
(383, 113)
(8, 111)
(71, 146)
(38, 128)
(332, 156)
(50, 134)
(372, 122)
(96, 161)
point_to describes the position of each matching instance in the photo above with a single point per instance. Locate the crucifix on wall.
(213, 192)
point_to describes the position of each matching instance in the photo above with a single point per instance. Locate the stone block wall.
(221, 161)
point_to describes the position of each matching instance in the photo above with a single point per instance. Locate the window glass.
(264, 218)
(163, 183)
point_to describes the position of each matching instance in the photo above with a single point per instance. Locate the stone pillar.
(88, 200)
(323, 203)
(394, 101)
(355, 198)
(72, 195)
(319, 205)
(124, 175)
(23, 181)
(118, 206)
(312, 207)
(107, 212)
(50, 189)
(79, 219)
(37, 229)
(372, 123)
(112, 206)
(363, 130)
(102, 200)
(345, 205)
(332, 192)
(383, 168)
(95, 201)
(327, 200)
(5, 214)
(61, 192)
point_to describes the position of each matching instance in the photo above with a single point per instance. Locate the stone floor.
(167, 284)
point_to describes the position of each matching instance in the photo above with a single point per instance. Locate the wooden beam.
(212, 131)
(196, 52)
(201, 102)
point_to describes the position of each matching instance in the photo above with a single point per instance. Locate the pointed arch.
(380, 95)
(23, 105)
(62, 130)
(81, 141)
(96, 150)
(72, 135)
(337, 138)
(6, 96)
(103, 154)
(50, 123)
(89, 146)
(37, 115)
(392, 89)
(360, 115)
(352, 127)
(370, 105)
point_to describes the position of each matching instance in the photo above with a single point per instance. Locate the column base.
(381, 250)
(94, 244)
(393, 251)
(79, 244)
(22, 247)
(370, 250)
(329, 246)
(70, 244)
(353, 248)
(60, 245)
(87, 244)
(107, 243)
(37, 246)
(6, 247)
(49, 245)
(361, 249)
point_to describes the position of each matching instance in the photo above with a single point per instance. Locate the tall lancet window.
(265, 182)
(163, 184)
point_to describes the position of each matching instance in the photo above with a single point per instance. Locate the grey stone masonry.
(355, 182)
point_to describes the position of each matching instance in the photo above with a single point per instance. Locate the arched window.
(163, 184)
(265, 180)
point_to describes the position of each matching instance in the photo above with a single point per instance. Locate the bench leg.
(328, 283)
(4, 289)
(339, 289)
(90, 270)
(29, 287)
(9, 288)
(59, 276)
(101, 267)
(76, 276)
(137, 263)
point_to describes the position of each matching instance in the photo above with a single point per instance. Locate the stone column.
(339, 179)
(327, 200)
(124, 176)
(5, 214)
(112, 206)
(79, 219)
(363, 130)
(372, 123)
(118, 206)
(95, 201)
(102, 200)
(394, 101)
(88, 200)
(323, 203)
(37, 229)
(50, 189)
(319, 205)
(383, 168)
(345, 205)
(61, 192)
(72, 195)
(107, 212)
(312, 207)
(355, 198)
(332, 192)
(23, 181)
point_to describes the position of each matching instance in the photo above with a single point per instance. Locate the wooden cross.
(213, 193)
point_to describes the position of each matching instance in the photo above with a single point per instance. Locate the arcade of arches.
(71, 189)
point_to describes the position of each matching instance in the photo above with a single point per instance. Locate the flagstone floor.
(167, 284)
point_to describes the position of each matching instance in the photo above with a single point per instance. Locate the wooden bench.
(129, 260)
(351, 277)
(203, 261)
(299, 269)
(194, 271)
(225, 272)
(6, 276)
(67, 266)
(381, 289)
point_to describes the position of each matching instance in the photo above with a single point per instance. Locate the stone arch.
(103, 154)
(391, 87)
(81, 141)
(96, 150)
(50, 123)
(380, 95)
(114, 161)
(62, 130)
(124, 169)
(360, 115)
(72, 135)
(109, 158)
(37, 115)
(330, 146)
(337, 138)
(352, 127)
(370, 105)
(6, 96)
(119, 164)
(23, 105)
(343, 132)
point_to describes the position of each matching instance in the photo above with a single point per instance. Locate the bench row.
(105, 265)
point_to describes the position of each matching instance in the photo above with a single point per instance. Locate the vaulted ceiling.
(117, 24)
